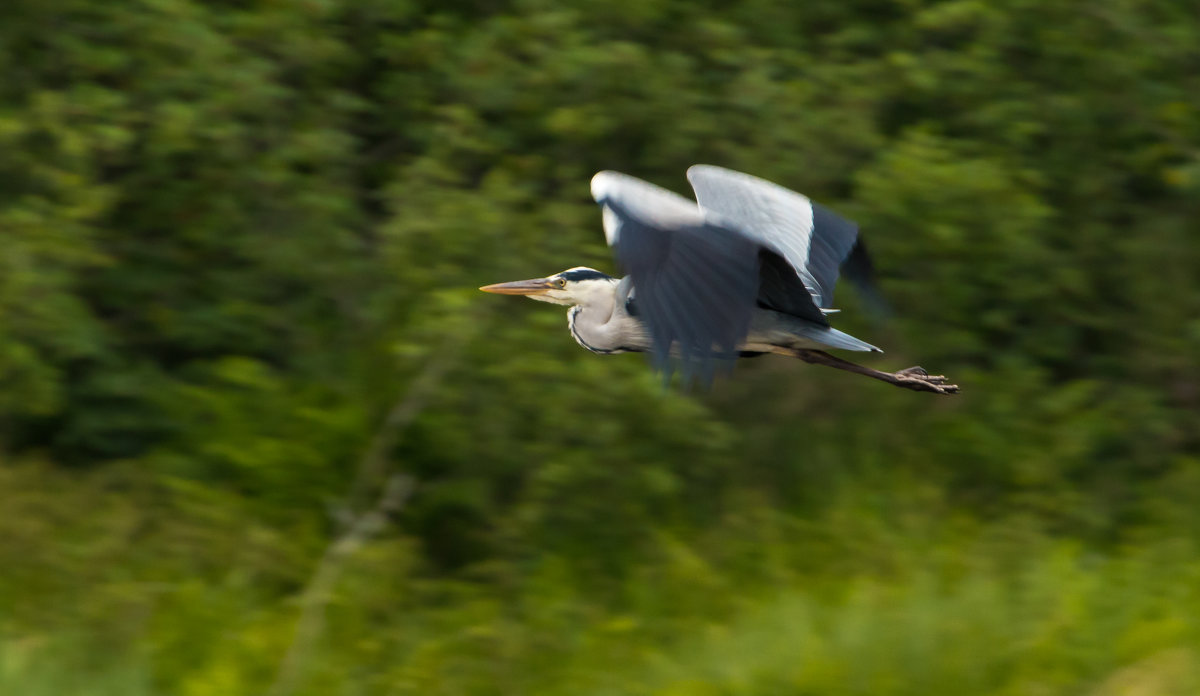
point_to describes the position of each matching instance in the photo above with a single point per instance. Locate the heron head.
(574, 286)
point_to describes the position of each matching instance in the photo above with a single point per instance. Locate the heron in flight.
(747, 268)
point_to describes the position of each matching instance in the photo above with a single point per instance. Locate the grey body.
(604, 325)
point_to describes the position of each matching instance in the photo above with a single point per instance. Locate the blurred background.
(260, 434)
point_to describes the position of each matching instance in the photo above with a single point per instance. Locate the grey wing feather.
(695, 282)
(642, 201)
(812, 239)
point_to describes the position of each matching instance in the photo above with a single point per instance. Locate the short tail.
(833, 338)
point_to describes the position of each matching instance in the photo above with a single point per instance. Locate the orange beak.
(534, 286)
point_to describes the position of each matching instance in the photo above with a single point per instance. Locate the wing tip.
(601, 184)
(700, 169)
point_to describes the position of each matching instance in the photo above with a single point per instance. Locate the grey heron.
(747, 268)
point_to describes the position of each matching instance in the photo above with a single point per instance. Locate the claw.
(916, 378)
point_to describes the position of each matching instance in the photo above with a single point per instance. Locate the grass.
(1061, 620)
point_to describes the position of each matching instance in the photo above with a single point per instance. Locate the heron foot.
(915, 378)
(918, 379)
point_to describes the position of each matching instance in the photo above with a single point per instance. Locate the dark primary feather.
(781, 289)
(832, 238)
(859, 270)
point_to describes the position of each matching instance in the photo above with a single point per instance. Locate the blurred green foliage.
(241, 241)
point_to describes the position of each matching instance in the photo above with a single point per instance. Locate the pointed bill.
(533, 286)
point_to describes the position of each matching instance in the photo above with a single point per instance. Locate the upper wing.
(812, 239)
(695, 281)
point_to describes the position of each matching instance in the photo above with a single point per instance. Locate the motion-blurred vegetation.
(240, 247)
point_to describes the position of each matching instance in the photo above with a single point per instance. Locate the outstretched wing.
(695, 281)
(810, 238)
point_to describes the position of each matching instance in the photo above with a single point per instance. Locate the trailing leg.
(915, 378)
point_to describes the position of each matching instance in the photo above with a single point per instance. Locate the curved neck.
(591, 323)
(602, 325)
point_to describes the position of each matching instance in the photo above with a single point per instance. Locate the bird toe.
(917, 379)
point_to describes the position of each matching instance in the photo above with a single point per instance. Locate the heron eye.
(562, 282)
